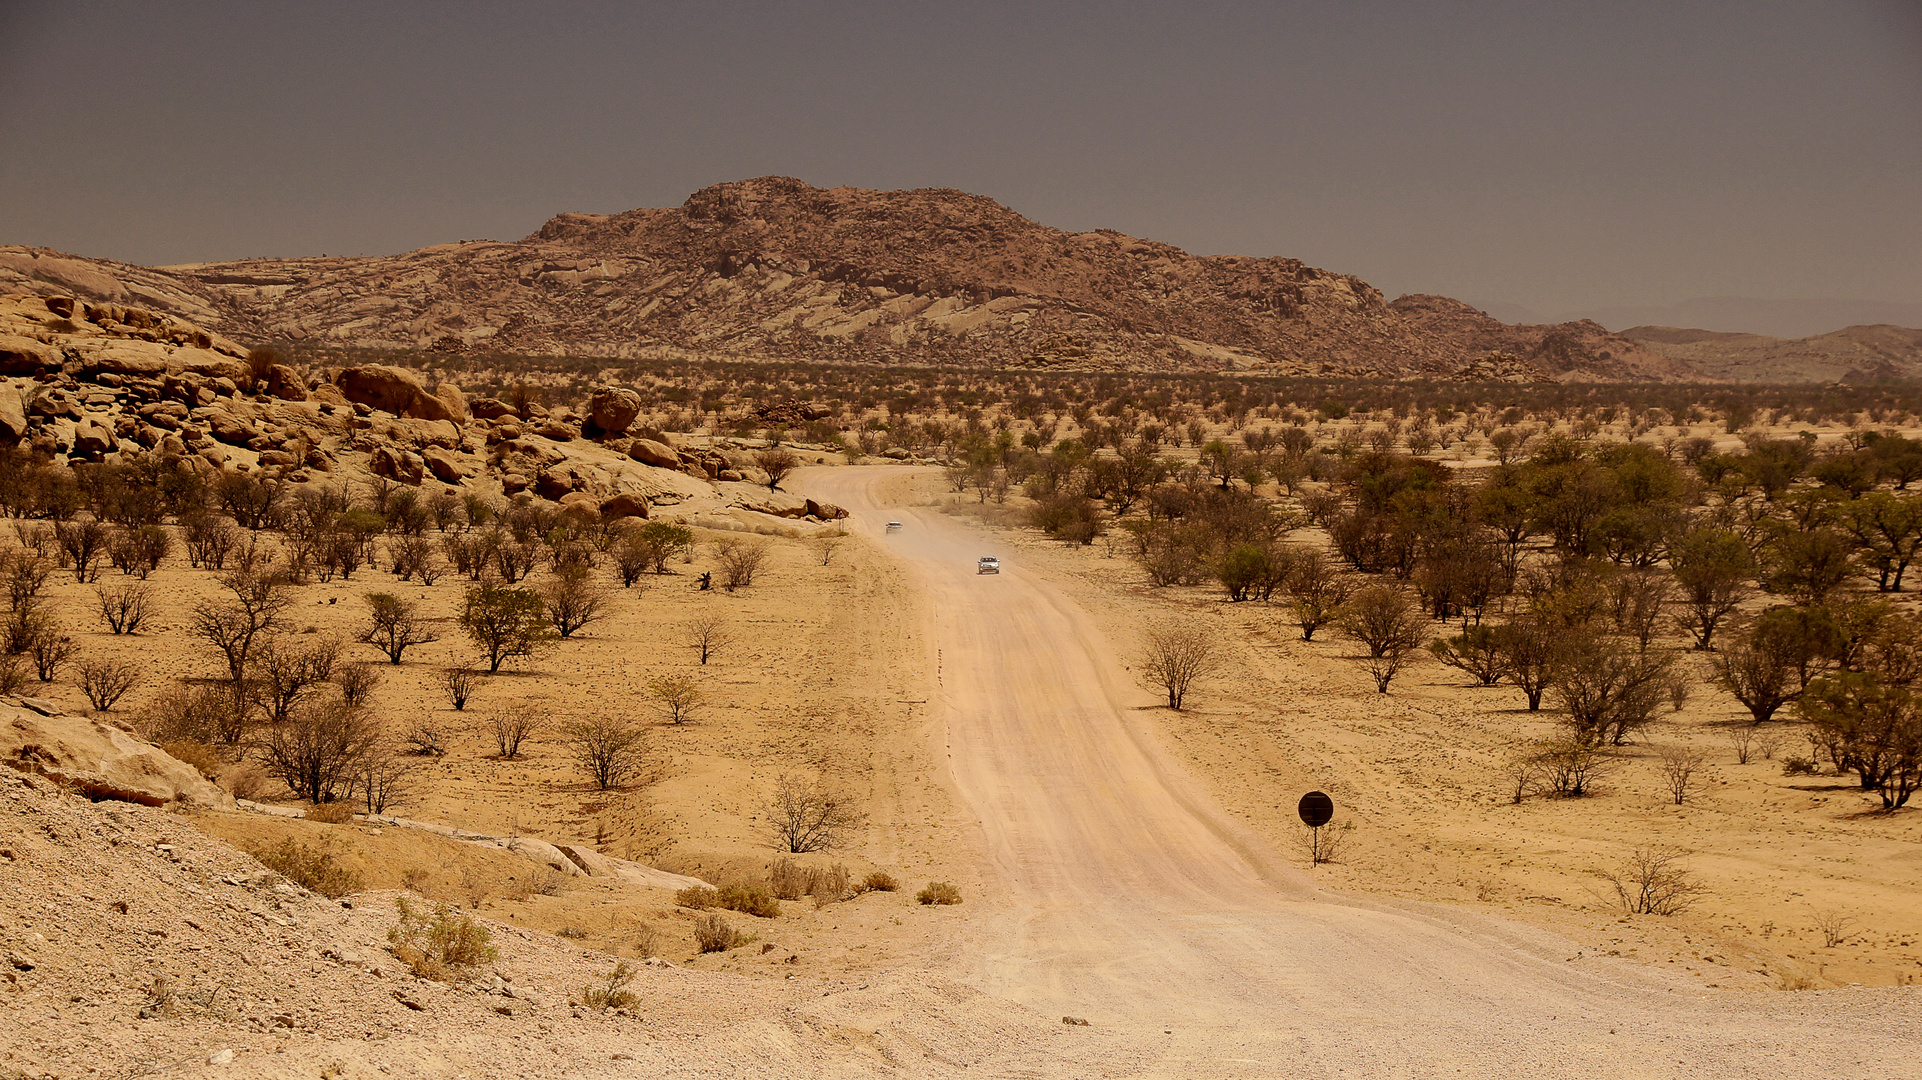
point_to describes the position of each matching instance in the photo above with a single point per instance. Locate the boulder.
(553, 486)
(377, 386)
(612, 408)
(285, 383)
(557, 430)
(543, 853)
(91, 438)
(624, 504)
(649, 452)
(488, 408)
(456, 402)
(764, 501)
(99, 759)
(25, 356)
(825, 511)
(229, 428)
(396, 464)
(397, 391)
(591, 862)
(13, 415)
(443, 464)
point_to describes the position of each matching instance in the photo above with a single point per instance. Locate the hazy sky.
(1561, 157)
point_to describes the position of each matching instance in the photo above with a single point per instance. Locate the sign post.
(1316, 809)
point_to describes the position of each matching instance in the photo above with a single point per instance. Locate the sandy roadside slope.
(1123, 895)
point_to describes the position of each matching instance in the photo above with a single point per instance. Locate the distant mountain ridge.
(774, 268)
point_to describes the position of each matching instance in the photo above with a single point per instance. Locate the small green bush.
(939, 892)
(312, 869)
(439, 948)
(611, 993)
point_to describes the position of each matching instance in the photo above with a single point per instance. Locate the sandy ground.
(1121, 863)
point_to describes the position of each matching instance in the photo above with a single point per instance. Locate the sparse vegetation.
(806, 817)
(938, 892)
(1174, 657)
(311, 868)
(443, 947)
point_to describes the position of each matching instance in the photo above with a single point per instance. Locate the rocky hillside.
(83, 381)
(773, 268)
(1573, 351)
(1855, 354)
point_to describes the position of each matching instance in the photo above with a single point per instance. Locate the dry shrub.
(788, 879)
(312, 869)
(647, 940)
(549, 882)
(879, 881)
(338, 812)
(791, 880)
(1653, 882)
(828, 884)
(747, 899)
(938, 892)
(698, 897)
(611, 992)
(439, 948)
(205, 759)
(714, 934)
(248, 782)
(105, 682)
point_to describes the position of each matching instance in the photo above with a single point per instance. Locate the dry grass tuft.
(938, 892)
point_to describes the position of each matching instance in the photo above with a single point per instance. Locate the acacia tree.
(320, 749)
(680, 696)
(1528, 650)
(394, 624)
(282, 673)
(1316, 590)
(233, 626)
(806, 817)
(1173, 657)
(709, 635)
(1609, 687)
(573, 598)
(777, 463)
(1710, 566)
(504, 622)
(1390, 623)
(1771, 664)
(608, 748)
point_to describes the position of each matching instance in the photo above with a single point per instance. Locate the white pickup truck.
(987, 564)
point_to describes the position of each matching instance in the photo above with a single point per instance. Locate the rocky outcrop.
(96, 758)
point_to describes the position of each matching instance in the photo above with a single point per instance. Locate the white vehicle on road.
(987, 564)
(894, 526)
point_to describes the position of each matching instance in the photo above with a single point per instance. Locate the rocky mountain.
(773, 268)
(1573, 351)
(1854, 354)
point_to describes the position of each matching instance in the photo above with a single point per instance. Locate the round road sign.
(1316, 809)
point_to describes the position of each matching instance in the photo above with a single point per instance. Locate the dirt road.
(1123, 894)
